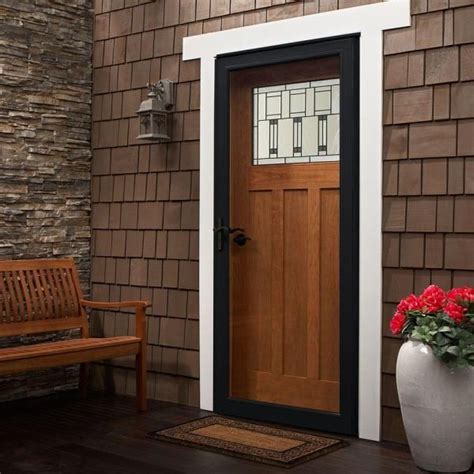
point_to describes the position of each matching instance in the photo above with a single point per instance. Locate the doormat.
(261, 443)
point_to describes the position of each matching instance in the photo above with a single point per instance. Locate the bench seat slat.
(52, 354)
(60, 347)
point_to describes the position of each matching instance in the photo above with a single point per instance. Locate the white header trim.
(369, 21)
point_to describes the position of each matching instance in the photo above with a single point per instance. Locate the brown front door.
(284, 193)
(286, 235)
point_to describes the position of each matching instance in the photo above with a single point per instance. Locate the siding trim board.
(369, 21)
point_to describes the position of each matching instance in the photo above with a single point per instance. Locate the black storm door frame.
(346, 421)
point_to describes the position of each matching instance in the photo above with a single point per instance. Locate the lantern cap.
(150, 105)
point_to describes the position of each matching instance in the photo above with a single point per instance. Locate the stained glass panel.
(296, 123)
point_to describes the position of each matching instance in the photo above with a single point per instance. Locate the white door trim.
(369, 21)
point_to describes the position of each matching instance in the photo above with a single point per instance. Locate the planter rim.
(430, 351)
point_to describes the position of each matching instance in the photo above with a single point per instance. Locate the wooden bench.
(39, 296)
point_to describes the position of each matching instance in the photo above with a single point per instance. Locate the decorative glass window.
(296, 123)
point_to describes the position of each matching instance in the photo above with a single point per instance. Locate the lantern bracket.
(163, 91)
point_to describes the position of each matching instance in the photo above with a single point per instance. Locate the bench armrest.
(140, 320)
(114, 304)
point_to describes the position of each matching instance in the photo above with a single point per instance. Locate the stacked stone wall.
(45, 154)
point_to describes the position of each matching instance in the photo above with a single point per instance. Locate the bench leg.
(140, 360)
(83, 379)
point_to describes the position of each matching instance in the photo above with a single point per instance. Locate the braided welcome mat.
(276, 446)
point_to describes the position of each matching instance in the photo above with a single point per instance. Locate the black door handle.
(227, 230)
(241, 239)
(222, 231)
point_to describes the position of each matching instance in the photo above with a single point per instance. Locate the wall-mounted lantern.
(154, 112)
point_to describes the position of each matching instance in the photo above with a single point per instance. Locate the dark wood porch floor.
(64, 434)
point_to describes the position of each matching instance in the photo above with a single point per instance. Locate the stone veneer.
(45, 121)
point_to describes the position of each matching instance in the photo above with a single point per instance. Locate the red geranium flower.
(410, 303)
(454, 311)
(397, 322)
(462, 295)
(433, 298)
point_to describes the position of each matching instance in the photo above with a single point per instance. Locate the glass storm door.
(284, 236)
(285, 194)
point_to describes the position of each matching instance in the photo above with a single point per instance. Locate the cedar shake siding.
(45, 156)
(428, 166)
(145, 196)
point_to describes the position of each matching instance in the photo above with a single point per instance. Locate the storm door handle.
(222, 231)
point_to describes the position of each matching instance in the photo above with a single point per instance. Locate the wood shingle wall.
(428, 166)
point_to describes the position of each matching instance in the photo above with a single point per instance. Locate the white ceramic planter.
(438, 409)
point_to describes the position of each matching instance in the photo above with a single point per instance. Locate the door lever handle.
(227, 230)
(222, 231)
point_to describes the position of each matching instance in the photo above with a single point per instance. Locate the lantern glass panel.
(144, 124)
(159, 121)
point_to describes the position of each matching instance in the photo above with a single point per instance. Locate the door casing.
(346, 421)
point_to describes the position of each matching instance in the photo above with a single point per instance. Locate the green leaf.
(454, 350)
(444, 329)
(441, 339)
(442, 350)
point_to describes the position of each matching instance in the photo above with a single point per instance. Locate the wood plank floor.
(63, 434)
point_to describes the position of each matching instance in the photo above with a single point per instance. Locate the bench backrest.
(40, 296)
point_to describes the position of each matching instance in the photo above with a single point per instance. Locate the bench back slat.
(39, 296)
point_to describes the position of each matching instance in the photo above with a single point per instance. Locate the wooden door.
(284, 193)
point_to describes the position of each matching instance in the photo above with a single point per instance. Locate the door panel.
(329, 248)
(284, 283)
(295, 283)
